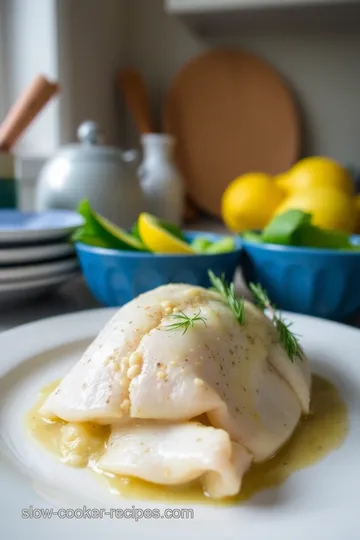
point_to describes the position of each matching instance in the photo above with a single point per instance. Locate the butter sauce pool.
(315, 437)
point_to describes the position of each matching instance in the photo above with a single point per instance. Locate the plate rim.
(96, 318)
(23, 235)
(19, 274)
(31, 284)
(34, 253)
(9, 339)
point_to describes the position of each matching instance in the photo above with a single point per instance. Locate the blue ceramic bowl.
(115, 277)
(319, 282)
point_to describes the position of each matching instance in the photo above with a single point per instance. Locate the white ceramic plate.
(19, 255)
(18, 227)
(318, 503)
(32, 288)
(37, 271)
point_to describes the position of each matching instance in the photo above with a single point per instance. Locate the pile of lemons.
(317, 185)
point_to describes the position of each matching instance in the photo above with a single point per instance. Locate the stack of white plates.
(35, 253)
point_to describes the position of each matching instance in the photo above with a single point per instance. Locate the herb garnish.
(227, 291)
(184, 321)
(288, 339)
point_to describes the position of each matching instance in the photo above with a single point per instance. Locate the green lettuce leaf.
(282, 229)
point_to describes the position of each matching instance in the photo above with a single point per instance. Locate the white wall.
(92, 50)
(84, 43)
(322, 68)
(81, 44)
(30, 47)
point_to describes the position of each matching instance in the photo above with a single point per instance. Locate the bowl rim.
(302, 250)
(182, 256)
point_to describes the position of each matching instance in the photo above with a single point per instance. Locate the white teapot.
(105, 175)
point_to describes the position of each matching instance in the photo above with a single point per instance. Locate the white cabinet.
(225, 16)
(187, 6)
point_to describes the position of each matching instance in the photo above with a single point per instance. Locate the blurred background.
(314, 44)
(219, 116)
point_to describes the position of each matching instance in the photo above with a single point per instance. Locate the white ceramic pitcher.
(160, 179)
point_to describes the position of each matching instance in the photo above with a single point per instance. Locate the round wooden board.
(230, 113)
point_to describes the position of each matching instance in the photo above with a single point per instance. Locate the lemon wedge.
(158, 239)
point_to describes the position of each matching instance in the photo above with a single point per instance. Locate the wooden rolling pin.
(25, 109)
(133, 87)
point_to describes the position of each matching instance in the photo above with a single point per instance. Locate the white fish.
(238, 375)
(297, 374)
(221, 369)
(94, 390)
(174, 454)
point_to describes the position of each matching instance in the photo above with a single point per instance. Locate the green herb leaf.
(135, 231)
(288, 339)
(99, 228)
(261, 296)
(282, 228)
(224, 245)
(227, 292)
(185, 322)
(353, 247)
(250, 236)
(200, 244)
(311, 236)
(86, 237)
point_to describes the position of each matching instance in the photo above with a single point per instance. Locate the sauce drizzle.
(315, 437)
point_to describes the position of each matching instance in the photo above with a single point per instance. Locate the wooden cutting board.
(231, 113)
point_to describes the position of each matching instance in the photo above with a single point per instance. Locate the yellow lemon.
(158, 239)
(330, 208)
(283, 181)
(315, 172)
(357, 205)
(249, 202)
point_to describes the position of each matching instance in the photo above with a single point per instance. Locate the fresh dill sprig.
(227, 291)
(185, 322)
(287, 338)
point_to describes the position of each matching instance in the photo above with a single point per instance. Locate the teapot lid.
(88, 133)
(91, 146)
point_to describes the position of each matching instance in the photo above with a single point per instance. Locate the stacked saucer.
(36, 255)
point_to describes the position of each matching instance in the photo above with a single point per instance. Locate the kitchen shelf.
(225, 17)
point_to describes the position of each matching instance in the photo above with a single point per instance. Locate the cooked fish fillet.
(97, 386)
(297, 374)
(177, 454)
(219, 369)
(140, 368)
